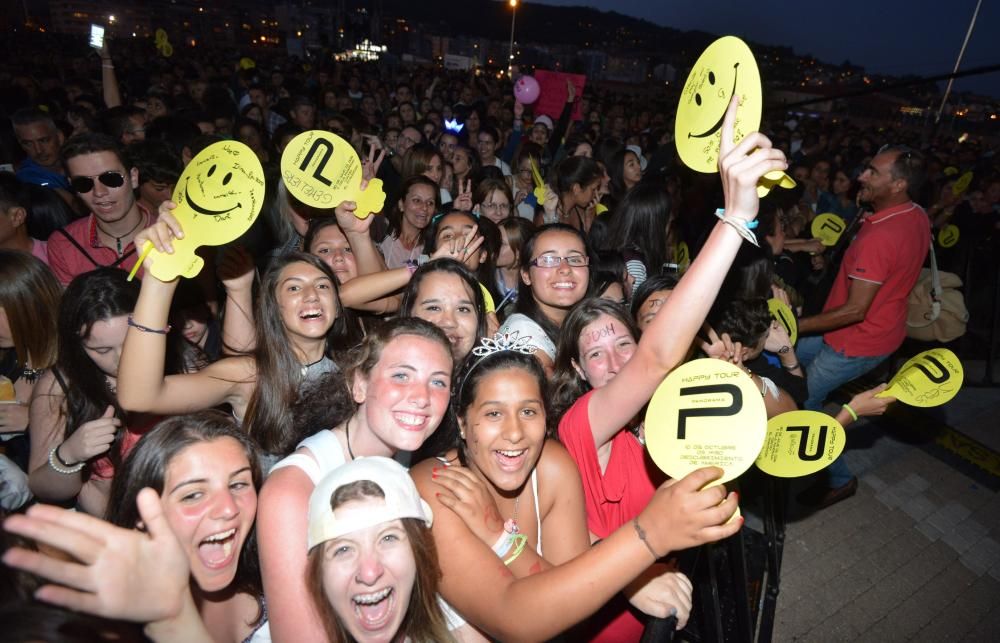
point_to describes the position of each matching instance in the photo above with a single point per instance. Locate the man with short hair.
(257, 95)
(14, 219)
(40, 139)
(487, 143)
(864, 319)
(104, 178)
(303, 113)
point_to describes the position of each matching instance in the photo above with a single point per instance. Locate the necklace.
(31, 375)
(118, 240)
(510, 525)
(347, 435)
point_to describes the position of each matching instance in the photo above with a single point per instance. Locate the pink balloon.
(526, 89)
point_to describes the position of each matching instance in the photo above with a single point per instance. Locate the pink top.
(40, 250)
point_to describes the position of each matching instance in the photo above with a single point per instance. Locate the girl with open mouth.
(177, 552)
(372, 562)
(298, 323)
(393, 394)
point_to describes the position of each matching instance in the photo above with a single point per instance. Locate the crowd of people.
(327, 434)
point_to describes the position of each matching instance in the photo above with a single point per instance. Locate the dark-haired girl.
(555, 275)
(78, 428)
(299, 322)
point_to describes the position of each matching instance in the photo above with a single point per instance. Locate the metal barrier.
(736, 582)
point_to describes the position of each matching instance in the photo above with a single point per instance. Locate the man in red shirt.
(105, 180)
(864, 319)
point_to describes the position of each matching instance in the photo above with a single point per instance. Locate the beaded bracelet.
(743, 228)
(520, 540)
(146, 329)
(60, 466)
(851, 411)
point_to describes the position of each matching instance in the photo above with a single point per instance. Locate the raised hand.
(376, 154)
(570, 91)
(741, 165)
(120, 573)
(463, 201)
(717, 347)
(91, 439)
(461, 247)
(551, 202)
(236, 270)
(161, 233)
(777, 337)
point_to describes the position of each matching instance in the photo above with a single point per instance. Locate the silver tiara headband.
(505, 342)
(499, 343)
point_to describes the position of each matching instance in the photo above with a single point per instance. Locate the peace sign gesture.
(464, 199)
(371, 164)
(742, 164)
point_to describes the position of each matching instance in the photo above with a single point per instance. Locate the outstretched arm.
(667, 340)
(142, 385)
(109, 81)
(483, 590)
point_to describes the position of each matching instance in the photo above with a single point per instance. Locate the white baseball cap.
(544, 120)
(401, 499)
(635, 149)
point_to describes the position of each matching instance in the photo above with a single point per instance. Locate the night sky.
(897, 37)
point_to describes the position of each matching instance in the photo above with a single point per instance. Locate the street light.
(510, 51)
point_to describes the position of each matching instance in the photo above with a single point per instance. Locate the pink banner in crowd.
(553, 93)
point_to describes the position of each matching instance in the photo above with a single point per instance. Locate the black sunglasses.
(84, 184)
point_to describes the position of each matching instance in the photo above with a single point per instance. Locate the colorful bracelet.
(742, 227)
(642, 536)
(146, 329)
(503, 544)
(520, 540)
(851, 411)
(60, 466)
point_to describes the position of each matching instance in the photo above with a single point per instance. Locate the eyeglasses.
(84, 184)
(553, 261)
(498, 207)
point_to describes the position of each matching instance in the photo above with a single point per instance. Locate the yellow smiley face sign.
(828, 227)
(800, 443)
(962, 184)
(725, 69)
(784, 316)
(706, 413)
(948, 236)
(932, 378)
(218, 197)
(322, 170)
